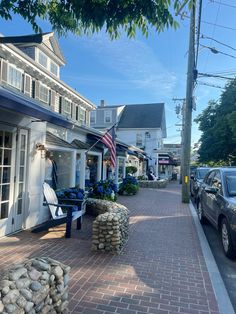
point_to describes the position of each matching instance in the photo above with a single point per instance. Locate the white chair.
(73, 211)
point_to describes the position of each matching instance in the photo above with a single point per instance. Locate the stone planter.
(160, 184)
(111, 226)
(39, 285)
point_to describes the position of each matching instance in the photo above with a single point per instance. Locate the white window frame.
(57, 68)
(45, 56)
(14, 83)
(49, 62)
(93, 116)
(67, 106)
(46, 99)
(107, 114)
(82, 115)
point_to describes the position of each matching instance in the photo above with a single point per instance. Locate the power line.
(215, 51)
(219, 42)
(223, 3)
(216, 76)
(218, 25)
(213, 33)
(210, 23)
(210, 85)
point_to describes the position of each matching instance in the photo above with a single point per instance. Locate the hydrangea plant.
(71, 193)
(129, 186)
(104, 189)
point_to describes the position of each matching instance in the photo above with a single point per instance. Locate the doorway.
(13, 168)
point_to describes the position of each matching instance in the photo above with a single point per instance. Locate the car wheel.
(226, 239)
(200, 213)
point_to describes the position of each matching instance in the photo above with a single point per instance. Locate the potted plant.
(104, 189)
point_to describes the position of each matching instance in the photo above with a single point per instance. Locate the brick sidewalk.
(162, 269)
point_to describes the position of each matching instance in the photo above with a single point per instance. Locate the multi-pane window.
(67, 106)
(107, 116)
(54, 68)
(14, 77)
(43, 60)
(43, 93)
(93, 116)
(139, 139)
(5, 172)
(82, 115)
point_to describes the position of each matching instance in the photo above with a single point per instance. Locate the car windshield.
(231, 184)
(201, 173)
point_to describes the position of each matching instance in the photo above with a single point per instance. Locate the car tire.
(226, 239)
(200, 213)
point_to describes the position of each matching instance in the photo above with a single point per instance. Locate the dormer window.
(47, 63)
(43, 60)
(107, 116)
(54, 68)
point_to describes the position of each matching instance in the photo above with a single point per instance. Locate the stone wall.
(111, 226)
(39, 285)
(153, 184)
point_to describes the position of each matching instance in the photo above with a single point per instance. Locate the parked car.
(218, 205)
(196, 179)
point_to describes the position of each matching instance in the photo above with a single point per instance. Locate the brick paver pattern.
(161, 270)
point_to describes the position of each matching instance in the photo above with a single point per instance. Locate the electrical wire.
(210, 85)
(215, 51)
(210, 23)
(213, 33)
(213, 75)
(223, 3)
(219, 42)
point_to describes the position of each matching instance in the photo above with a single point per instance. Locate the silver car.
(218, 205)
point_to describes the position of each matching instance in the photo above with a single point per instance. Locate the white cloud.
(132, 60)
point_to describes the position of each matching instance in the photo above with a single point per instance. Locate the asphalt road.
(226, 266)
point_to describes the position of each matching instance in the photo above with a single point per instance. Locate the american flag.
(109, 140)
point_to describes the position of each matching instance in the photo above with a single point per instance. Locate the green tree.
(218, 125)
(89, 16)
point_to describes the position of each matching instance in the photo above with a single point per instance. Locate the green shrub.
(131, 170)
(129, 186)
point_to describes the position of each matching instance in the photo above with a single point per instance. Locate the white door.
(13, 149)
(20, 195)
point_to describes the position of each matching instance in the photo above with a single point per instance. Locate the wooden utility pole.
(188, 109)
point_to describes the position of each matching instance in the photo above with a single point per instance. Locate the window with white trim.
(67, 106)
(93, 117)
(53, 68)
(14, 77)
(82, 115)
(139, 140)
(107, 116)
(44, 93)
(43, 59)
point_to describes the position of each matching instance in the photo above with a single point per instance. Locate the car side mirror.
(211, 190)
(192, 176)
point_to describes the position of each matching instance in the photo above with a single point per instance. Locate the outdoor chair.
(74, 210)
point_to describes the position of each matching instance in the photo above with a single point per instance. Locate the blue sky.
(146, 70)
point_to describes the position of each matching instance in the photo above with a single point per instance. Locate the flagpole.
(99, 140)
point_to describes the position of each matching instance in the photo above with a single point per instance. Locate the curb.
(221, 294)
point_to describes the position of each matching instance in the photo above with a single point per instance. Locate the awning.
(54, 140)
(30, 107)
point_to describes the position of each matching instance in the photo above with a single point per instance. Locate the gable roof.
(143, 116)
(48, 40)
